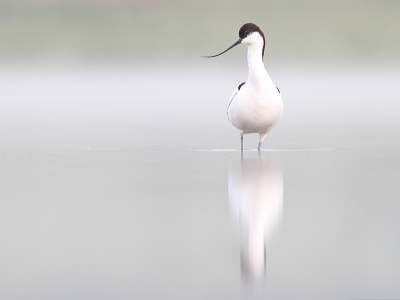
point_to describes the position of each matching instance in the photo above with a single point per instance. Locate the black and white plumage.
(255, 106)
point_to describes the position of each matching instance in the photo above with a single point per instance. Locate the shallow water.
(184, 107)
(112, 189)
(145, 225)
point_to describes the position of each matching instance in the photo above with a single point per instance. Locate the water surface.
(100, 225)
(113, 189)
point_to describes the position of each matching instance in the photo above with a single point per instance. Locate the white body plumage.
(257, 106)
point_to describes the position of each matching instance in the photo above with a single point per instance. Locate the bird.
(255, 106)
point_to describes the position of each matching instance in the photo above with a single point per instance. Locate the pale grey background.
(110, 121)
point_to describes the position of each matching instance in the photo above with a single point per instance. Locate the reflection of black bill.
(235, 44)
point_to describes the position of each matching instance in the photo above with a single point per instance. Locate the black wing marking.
(278, 90)
(239, 86)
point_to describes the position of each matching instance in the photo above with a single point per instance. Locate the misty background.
(128, 74)
(179, 31)
(116, 154)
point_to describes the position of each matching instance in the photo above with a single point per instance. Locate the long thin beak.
(235, 44)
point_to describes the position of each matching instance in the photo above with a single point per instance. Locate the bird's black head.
(248, 29)
(244, 32)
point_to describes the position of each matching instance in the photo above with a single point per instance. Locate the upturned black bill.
(235, 44)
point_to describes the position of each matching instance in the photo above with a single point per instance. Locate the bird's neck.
(257, 72)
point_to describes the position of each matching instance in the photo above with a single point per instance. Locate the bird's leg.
(262, 137)
(241, 146)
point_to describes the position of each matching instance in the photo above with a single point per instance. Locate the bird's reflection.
(255, 189)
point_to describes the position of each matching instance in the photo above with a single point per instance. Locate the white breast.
(256, 107)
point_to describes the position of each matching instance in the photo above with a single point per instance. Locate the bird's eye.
(247, 32)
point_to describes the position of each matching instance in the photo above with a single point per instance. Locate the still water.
(114, 187)
(290, 224)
